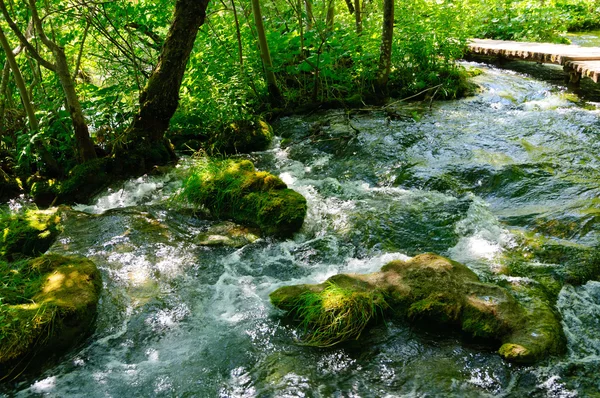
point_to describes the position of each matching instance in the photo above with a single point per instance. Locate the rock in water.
(49, 306)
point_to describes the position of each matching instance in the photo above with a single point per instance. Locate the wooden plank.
(582, 60)
(540, 52)
(589, 69)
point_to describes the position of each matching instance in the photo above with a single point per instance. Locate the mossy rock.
(49, 306)
(434, 292)
(28, 233)
(242, 136)
(233, 189)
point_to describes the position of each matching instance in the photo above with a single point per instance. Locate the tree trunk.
(330, 15)
(20, 83)
(265, 55)
(350, 6)
(160, 97)
(238, 35)
(3, 95)
(309, 13)
(301, 28)
(385, 55)
(358, 16)
(85, 146)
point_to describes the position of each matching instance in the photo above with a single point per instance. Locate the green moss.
(29, 232)
(441, 308)
(49, 304)
(241, 136)
(234, 189)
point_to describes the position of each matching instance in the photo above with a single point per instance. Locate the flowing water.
(476, 180)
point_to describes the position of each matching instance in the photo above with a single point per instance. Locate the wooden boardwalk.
(576, 60)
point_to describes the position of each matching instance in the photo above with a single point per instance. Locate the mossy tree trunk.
(385, 52)
(160, 98)
(265, 54)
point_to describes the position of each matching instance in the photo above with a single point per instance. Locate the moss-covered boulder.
(242, 136)
(234, 189)
(430, 291)
(49, 305)
(29, 232)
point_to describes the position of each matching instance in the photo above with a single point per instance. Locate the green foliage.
(580, 14)
(521, 20)
(336, 314)
(234, 189)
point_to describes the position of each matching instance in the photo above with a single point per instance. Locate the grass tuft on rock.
(336, 313)
(234, 189)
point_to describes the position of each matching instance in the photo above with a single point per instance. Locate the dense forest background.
(74, 73)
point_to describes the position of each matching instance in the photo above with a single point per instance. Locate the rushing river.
(467, 179)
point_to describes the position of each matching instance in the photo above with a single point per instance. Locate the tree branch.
(34, 53)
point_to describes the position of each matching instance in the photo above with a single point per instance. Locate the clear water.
(466, 180)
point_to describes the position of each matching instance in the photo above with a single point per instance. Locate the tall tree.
(160, 98)
(385, 52)
(274, 92)
(60, 66)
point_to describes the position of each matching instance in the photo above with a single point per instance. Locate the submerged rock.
(228, 234)
(428, 290)
(28, 233)
(234, 189)
(49, 305)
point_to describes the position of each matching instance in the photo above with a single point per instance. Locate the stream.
(474, 179)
